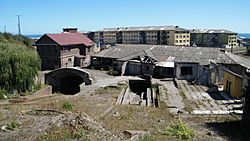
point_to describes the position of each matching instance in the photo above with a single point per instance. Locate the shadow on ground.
(233, 130)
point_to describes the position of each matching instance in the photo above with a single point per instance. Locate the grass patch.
(13, 125)
(67, 106)
(180, 130)
(110, 89)
(146, 138)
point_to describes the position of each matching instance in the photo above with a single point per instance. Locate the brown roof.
(67, 38)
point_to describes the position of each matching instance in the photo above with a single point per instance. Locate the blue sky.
(50, 16)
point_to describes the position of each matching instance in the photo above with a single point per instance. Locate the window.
(180, 41)
(69, 60)
(180, 36)
(176, 41)
(176, 36)
(186, 70)
(184, 36)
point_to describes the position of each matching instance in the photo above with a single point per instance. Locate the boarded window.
(186, 70)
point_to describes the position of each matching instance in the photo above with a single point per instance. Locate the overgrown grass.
(180, 130)
(67, 106)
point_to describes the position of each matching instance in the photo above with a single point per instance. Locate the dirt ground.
(94, 116)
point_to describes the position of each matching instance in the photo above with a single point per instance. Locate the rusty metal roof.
(67, 38)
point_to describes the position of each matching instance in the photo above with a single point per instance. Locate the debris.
(136, 135)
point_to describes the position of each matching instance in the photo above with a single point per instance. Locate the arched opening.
(70, 84)
(68, 80)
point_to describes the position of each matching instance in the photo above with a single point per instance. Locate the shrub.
(67, 106)
(12, 125)
(3, 94)
(180, 130)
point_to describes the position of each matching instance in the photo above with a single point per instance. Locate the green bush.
(3, 94)
(67, 106)
(180, 130)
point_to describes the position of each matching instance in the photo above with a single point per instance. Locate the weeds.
(180, 130)
(13, 125)
(67, 106)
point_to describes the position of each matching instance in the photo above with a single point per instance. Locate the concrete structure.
(65, 49)
(68, 80)
(188, 63)
(213, 38)
(157, 35)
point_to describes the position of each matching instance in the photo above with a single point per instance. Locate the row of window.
(182, 36)
(182, 41)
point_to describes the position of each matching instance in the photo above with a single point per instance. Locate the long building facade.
(213, 38)
(154, 35)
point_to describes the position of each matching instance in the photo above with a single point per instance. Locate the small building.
(67, 49)
(237, 77)
(233, 76)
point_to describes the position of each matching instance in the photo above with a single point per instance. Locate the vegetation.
(19, 67)
(3, 94)
(17, 39)
(146, 138)
(180, 130)
(13, 125)
(67, 106)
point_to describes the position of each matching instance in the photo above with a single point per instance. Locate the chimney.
(70, 30)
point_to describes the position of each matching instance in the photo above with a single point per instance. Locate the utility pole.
(5, 27)
(19, 26)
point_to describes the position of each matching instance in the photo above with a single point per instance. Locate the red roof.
(67, 38)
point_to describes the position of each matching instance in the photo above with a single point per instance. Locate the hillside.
(16, 39)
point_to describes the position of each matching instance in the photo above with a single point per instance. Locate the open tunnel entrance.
(68, 80)
(71, 84)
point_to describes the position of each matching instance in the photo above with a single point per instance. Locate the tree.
(246, 107)
(19, 67)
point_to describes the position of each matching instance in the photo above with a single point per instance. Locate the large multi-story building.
(158, 35)
(213, 38)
